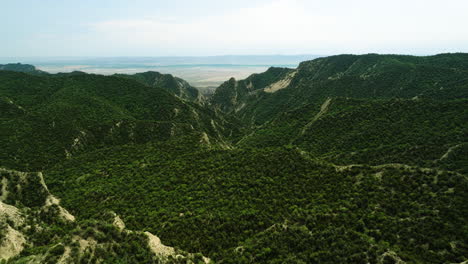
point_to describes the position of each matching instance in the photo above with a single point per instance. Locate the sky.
(47, 28)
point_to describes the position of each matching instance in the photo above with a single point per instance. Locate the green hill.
(346, 159)
(175, 85)
(369, 109)
(358, 76)
(19, 67)
(35, 228)
(349, 131)
(271, 205)
(45, 119)
(233, 96)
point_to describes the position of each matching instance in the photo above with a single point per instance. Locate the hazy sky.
(217, 27)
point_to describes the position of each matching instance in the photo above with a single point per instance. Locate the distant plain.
(202, 72)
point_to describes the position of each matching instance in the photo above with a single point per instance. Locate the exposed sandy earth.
(12, 244)
(52, 200)
(157, 247)
(281, 84)
(323, 110)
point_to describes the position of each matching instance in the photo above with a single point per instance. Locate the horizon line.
(230, 55)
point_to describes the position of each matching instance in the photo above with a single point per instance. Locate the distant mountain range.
(343, 159)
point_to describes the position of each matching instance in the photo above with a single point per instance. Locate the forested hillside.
(369, 76)
(19, 67)
(234, 95)
(175, 85)
(346, 159)
(46, 119)
(271, 205)
(35, 228)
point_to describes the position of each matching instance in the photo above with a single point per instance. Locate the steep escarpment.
(233, 96)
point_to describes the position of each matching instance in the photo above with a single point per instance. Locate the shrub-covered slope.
(272, 205)
(19, 67)
(421, 132)
(369, 109)
(47, 118)
(233, 96)
(35, 228)
(346, 159)
(175, 85)
(370, 76)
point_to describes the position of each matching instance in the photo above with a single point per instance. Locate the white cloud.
(295, 26)
(278, 23)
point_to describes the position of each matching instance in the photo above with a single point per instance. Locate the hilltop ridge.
(345, 159)
(19, 67)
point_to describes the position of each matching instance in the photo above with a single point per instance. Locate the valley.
(344, 159)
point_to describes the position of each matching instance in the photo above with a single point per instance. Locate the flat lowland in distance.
(201, 72)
